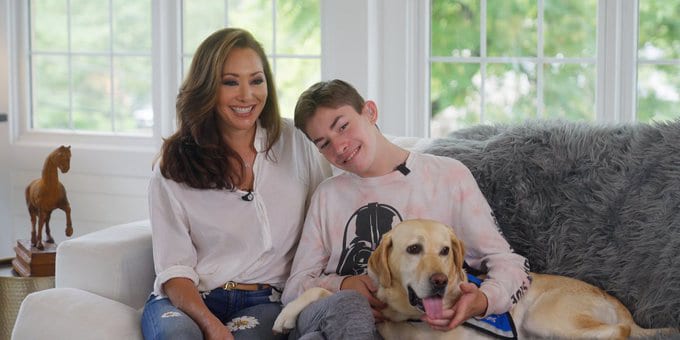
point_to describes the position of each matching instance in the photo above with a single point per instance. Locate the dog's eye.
(414, 249)
(444, 251)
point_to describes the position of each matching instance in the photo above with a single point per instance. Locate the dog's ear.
(378, 262)
(458, 253)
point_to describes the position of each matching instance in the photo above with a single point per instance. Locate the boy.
(382, 185)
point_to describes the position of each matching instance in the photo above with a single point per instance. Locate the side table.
(13, 290)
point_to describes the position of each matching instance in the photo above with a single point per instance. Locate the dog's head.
(418, 266)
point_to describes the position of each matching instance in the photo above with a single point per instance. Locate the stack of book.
(31, 261)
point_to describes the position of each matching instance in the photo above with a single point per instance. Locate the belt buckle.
(230, 285)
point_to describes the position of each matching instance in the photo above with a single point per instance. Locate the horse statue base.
(31, 261)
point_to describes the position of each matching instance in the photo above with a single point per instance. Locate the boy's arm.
(487, 250)
(311, 259)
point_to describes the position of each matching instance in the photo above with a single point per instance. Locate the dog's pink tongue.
(433, 307)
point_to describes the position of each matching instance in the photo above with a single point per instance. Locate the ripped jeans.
(248, 314)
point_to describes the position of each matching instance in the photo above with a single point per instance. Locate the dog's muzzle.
(414, 300)
(438, 290)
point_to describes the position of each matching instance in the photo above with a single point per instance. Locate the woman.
(228, 198)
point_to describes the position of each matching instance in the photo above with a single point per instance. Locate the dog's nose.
(439, 281)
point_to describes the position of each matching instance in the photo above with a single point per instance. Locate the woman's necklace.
(248, 174)
(248, 163)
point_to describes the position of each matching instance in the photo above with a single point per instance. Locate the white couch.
(577, 199)
(102, 282)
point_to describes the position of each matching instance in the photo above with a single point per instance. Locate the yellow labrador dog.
(419, 267)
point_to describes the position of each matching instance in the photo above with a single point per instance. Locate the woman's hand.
(364, 285)
(217, 331)
(472, 302)
(184, 295)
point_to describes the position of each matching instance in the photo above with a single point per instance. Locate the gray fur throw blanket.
(600, 203)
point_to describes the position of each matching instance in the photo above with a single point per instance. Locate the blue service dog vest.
(498, 325)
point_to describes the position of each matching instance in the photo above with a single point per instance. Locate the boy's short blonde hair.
(329, 94)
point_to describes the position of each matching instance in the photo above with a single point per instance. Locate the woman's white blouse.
(215, 236)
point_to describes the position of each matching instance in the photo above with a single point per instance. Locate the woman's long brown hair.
(196, 153)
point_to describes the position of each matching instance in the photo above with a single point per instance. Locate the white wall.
(380, 46)
(104, 186)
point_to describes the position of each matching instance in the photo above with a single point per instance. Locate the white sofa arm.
(116, 263)
(68, 313)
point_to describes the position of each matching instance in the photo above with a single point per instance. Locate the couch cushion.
(75, 314)
(116, 263)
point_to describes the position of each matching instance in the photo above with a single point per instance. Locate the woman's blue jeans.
(249, 315)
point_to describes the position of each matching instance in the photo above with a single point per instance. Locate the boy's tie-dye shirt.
(349, 214)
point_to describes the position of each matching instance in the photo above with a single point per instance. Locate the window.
(495, 61)
(91, 66)
(289, 31)
(658, 74)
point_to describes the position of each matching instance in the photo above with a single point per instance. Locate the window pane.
(50, 92)
(659, 32)
(132, 95)
(454, 96)
(132, 26)
(299, 27)
(292, 77)
(49, 25)
(71, 85)
(294, 56)
(658, 92)
(91, 93)
(90, 31)
(510, 92)
(455, 28)
(511, 28)
(570, 28)
(200, 19)
(569, 91)
(256, 17)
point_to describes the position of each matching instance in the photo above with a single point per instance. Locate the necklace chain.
(250, 164)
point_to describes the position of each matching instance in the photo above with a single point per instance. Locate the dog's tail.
(625, 317)
(638, 332)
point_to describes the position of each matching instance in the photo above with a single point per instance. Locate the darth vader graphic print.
(363, 232)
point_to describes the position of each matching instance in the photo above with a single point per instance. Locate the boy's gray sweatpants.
(344, 315)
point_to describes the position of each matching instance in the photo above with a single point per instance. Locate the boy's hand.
(472, 302)
(364, 285)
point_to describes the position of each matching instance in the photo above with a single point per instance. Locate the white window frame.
(380, 46)
(273, 53)
(362, 42)
(405, 78)
(167, 76)
(617, 79)
(399, 47)
(167, 57)
(20, 101)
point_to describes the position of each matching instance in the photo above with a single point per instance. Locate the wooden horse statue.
(46, 194)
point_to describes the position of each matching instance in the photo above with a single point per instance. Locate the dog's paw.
(288, 316)
(285, 321)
